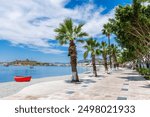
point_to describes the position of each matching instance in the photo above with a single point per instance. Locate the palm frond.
(92, 46)
(80, 41)
(61, 39)
(98, 52)
(107, 29)
(69, 25)
(85, 54)
(67, 31)
(82, 34)
(78, 29)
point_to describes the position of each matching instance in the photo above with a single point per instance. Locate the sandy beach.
(122, 84)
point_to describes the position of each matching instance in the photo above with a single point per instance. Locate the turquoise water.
(7, 73)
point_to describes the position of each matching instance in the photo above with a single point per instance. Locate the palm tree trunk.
(109, 52)
(73, 61)
(94, 65)
(105, 63)
(114, 60)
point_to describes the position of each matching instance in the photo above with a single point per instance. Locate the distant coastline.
(28, 62)
(7, 73)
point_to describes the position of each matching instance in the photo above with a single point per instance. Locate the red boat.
(22, 78)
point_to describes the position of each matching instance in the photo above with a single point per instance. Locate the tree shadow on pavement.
(146, 86)
(88, 81)
(133, 78)
(134, 73)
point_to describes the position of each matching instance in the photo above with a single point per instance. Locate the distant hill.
(28, 62)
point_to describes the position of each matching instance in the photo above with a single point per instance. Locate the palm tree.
(68, 33)
(92, 47)
(115, 53)
(104, 51)
(107, 31)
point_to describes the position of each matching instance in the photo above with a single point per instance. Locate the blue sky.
(27, 26)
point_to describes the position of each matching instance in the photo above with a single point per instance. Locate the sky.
(27, 26)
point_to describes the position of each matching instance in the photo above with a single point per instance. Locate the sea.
(7, 73)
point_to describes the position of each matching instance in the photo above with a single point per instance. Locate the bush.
(145, 72)
(147, 77)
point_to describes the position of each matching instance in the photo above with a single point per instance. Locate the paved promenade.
(10, 88)
(123, 84)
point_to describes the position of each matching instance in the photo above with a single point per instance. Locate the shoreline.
(103, 87)
(12, 87)
(85, 69)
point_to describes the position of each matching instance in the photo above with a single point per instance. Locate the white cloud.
(48, 50)
(95, 24)
(21, 21)
(146, 3)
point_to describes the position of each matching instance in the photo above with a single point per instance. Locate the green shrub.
(147, 77)
(145, 72)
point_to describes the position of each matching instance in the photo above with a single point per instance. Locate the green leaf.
(85, 54)
(80, 41)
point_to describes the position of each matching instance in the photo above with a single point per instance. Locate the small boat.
(6, 65)
(22, 78)
(31, 67)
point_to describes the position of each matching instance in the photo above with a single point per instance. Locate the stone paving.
(123, 84)
(10, 88)
(135, 86)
